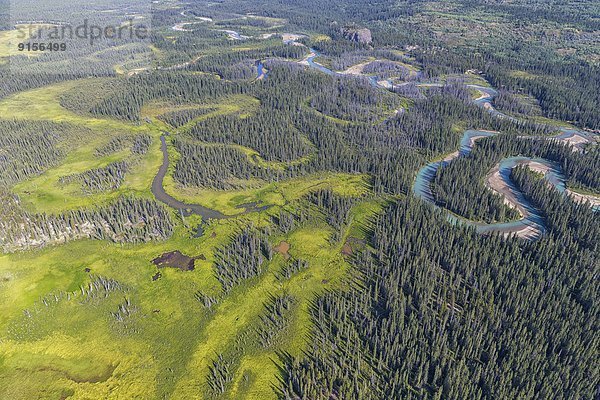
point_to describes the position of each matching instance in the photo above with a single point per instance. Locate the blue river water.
(532, 219)
(315, 65)
(261, 70)
(373, 80)
(532, 223)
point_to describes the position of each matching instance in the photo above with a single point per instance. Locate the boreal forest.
(299, 199)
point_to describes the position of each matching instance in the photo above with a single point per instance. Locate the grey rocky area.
(359, 35)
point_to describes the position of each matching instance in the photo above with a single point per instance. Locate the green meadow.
(68, 342)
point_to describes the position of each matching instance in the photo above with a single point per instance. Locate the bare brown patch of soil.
(175, 259)
(351, 244)
(495, 182)
(283, 248)
(347, 249)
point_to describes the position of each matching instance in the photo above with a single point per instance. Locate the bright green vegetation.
(177, 335)
(168, 338)
(45, 193)
(319, 276)
(8, 40)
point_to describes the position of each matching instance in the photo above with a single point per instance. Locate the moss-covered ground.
(58, 340)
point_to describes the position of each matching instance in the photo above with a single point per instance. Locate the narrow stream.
(161, 195)
(531, 225)
(185, 209)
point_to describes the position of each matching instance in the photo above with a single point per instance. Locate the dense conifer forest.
(440, 312)
(302, 200)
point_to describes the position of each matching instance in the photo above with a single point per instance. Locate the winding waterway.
(161, 195)
(234, 35)
(531, 225)
(185, 209)
(310, 61)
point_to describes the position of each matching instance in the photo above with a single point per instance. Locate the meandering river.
(161, 195)
(531, 225)
(186, 209)
(310, 61)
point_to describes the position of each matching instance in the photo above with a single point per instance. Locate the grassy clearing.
(166, 324)
(71, 345)
(9, 41)
(240, 311)
(44, 193)
(241, 105)
(43, 105)
(552, 122)
(328, 269)
(170, 340)
(583, 190)
(278, 193)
